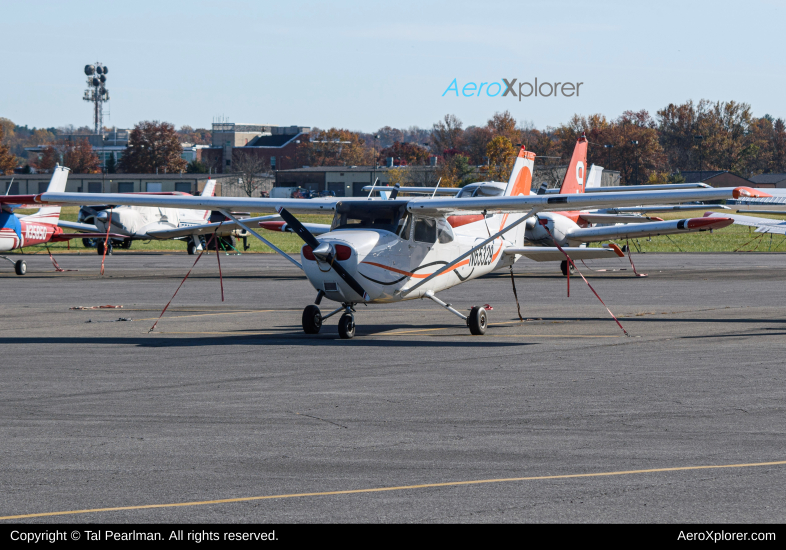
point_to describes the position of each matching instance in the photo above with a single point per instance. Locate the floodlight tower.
(97, 93)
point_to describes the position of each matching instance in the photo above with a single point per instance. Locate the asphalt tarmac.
(561, 418)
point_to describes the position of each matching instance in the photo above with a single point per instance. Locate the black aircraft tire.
(20, 267)
(477, 321)
(563, 266)
(100, 248)
(191, 248)
(312, 319)
(346, 327)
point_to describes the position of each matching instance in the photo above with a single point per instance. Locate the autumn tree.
(7, 160)
(80, 158)
(447, 134)
(153, 146)
(504, 125)
(408, 153)
(501, 154)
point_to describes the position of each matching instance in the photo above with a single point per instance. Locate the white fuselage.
(136, 221)
(384, 263)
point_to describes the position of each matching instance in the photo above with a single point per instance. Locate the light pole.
(609, 147)
(376, 160)
(635, 144)
(701, 157)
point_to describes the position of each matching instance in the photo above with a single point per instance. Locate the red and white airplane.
(39, 228)
(384, 251)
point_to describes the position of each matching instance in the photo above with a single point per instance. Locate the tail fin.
(520, 182)
(210, 188)
(208, 191)
(577, 170)
(594, 178)
(51, 214)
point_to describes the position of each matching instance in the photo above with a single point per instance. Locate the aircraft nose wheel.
(346, 326)
(477, 320)
(312, 320)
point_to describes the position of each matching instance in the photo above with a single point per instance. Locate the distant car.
(301, 193)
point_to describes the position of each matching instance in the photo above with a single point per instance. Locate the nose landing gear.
(313, 319)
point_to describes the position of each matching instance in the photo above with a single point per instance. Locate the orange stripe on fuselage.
(419, 275)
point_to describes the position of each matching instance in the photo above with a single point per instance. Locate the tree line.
(721, 135)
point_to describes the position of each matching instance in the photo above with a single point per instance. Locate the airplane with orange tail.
(35, 229)
(387, 251)
(574, 229)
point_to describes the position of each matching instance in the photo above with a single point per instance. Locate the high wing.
(304, 206)
(651, 229)
(670, 208)
(592, 217)
(577, 201)
(521, 203)
(552, 253)
(223, 228)
(762, 225)
(630, 188)
(450, 191)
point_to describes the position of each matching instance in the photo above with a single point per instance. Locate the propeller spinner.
(324, 252)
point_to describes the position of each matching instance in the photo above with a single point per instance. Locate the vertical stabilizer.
(520, 182)
(577, 170)
(210, 188)
(594, 178)
(51, 214)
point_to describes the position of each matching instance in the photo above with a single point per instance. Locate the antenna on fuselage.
(372, 188)
(394, 193)
(435, 188)
(8, 190)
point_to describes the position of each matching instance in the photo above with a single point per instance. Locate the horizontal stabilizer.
(76, 226)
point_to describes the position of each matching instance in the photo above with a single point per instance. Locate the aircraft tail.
(594, 178)
(51, 214)
(577, 170)
(210, 188)
(208, 191)
(520, 182)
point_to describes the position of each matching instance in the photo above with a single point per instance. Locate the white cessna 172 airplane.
(384, 251)
(146, 222)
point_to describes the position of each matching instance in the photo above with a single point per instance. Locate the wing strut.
(271, 245)
(405, 291)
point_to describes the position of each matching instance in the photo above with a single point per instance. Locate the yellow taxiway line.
(398, 488)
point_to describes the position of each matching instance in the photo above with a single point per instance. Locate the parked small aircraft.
(384, 251)
(132, 222)
(39, 228)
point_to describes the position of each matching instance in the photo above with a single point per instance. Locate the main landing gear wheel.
(346, 326)
(477, 321)
(100, 248)
(563, 266)
(312, 320)
(191, 247)
(20, 267)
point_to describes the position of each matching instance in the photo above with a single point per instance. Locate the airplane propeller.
(323, 251)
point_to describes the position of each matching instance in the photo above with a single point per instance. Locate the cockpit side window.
(444, 231)
(425, 230)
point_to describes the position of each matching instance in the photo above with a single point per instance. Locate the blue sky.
(362, 66)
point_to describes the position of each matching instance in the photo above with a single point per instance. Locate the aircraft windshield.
(384, 215)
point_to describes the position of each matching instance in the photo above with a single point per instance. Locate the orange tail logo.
(520, 182)
(577, 171)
